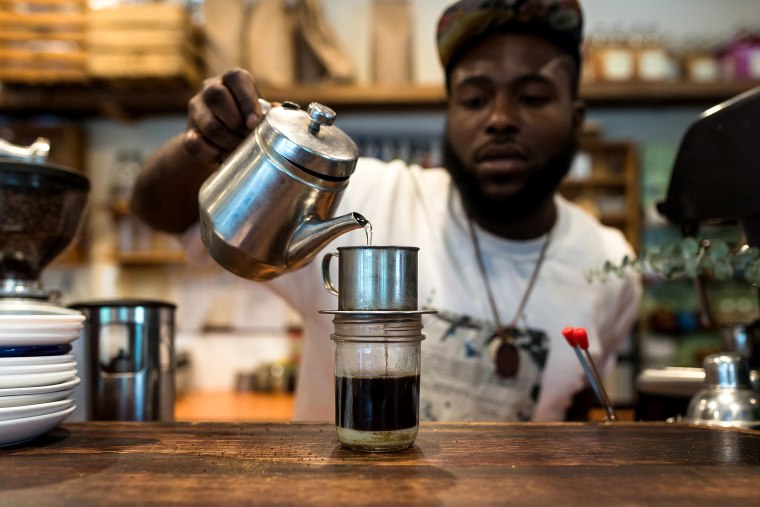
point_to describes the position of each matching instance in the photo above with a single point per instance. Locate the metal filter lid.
(309, 140)
(729, 399)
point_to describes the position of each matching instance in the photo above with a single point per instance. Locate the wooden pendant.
(507, 356)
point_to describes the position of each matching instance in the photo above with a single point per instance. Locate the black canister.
(130, 364)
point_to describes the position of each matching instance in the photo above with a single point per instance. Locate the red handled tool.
(578, 340)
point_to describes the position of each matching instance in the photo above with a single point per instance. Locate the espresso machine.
(716, 180)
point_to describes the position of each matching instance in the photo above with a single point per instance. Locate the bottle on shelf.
(654, 62)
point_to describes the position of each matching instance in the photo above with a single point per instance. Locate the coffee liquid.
(377, 403)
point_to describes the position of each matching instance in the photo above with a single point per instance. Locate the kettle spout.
(313, 234)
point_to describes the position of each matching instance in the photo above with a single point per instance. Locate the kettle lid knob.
(320, 115)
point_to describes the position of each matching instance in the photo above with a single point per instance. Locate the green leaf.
(718, 249)
(723, 271)
(689, 247)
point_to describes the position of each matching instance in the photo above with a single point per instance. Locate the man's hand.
(221, 115)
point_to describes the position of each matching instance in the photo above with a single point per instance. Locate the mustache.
(542, 183)
(501, 148)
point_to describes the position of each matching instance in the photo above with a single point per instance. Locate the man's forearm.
(165, 195)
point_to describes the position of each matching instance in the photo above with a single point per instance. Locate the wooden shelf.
(121, 207)
(139, 97)
(643, 93)
(127, 98)
(160, 248)
(633, 94)
(613, 180)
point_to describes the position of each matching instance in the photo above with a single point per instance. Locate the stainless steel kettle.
(268, 208)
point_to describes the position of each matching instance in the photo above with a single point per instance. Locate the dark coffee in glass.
(377, 380)
(377, 403)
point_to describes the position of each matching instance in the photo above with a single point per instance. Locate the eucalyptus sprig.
(689, 258)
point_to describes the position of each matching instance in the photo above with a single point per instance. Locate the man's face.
(512, 121)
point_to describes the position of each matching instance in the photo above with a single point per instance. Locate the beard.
(541, 183)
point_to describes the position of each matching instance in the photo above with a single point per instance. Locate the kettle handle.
(265, 105)
(326, 272)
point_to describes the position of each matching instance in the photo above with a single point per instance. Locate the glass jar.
(377, 380)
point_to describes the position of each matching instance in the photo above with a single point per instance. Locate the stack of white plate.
(38, 372)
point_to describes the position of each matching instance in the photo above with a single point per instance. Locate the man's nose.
(503, 117)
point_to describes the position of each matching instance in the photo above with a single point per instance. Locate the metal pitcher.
(268, 208)
(128, 363)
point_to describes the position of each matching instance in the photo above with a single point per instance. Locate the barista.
(502, 255)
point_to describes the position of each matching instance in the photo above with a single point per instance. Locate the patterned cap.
(560, 21)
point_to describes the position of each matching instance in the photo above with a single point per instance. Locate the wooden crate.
(42, 41)
(155, 40)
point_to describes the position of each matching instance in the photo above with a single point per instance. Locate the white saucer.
(9, 320)
(20, 339)
(377, 312)
(20, 400)
(36, 360)
(38, 326)
(36, 379)
(10, 413)
(31, 307)
(27, 369)
(14, 391)
(17, 431)
(52, 331)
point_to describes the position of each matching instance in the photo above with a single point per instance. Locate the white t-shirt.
(411, 206)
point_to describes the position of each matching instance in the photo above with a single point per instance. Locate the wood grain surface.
(468, 464)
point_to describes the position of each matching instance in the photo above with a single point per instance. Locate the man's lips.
(506, 159)
(503, 165)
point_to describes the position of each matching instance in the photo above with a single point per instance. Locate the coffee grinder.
(41, 213)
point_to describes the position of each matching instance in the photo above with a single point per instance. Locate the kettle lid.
(310, 140)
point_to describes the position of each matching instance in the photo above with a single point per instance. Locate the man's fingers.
(220, 103)
(199, 148)
(244, 91)
(214, 131)
(221, 115)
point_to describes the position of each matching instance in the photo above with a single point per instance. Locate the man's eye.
(473, 102)
(533, 100)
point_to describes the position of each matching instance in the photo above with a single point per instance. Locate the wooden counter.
(108, 464)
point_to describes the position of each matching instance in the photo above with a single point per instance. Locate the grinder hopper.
(41, 211)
